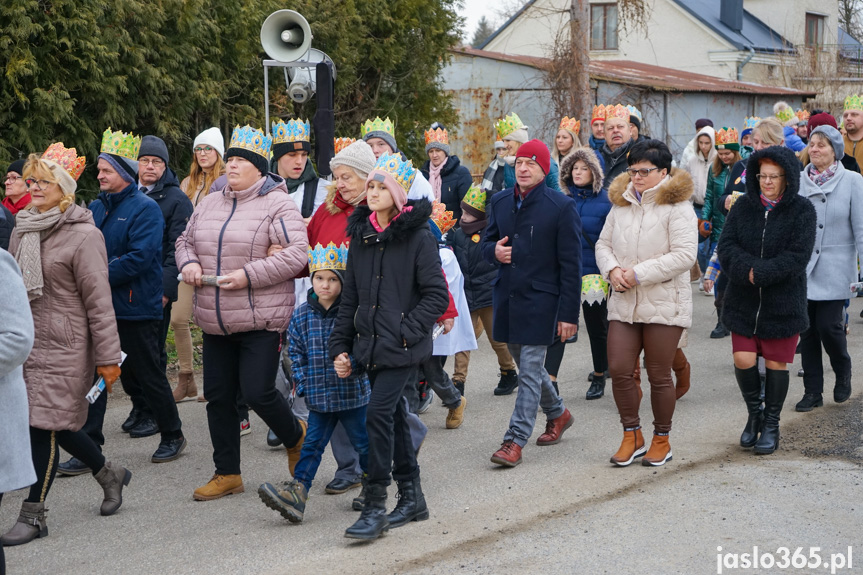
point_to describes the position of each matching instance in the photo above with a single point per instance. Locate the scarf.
(510, 160)
(769, 204)
(31, 225)
(821, 178)
(473, 227)
(435, 179)
(307, 175)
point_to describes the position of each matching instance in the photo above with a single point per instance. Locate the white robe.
(461, 337)
(421, 188)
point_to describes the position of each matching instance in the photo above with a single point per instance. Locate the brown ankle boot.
(682, 372)
(631, 447)
(112, 479)
(30, 525)
(294, 452)
(659, 453)
(186, 387)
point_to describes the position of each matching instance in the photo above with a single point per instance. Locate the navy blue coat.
(132, 225)
(592, 209)
(542, 285)
(478, 273)
(176, 211)
(7, 224)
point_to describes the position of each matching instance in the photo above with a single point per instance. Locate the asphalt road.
(564, 510)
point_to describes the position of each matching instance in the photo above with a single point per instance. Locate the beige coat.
(74, 322)
(658, 238)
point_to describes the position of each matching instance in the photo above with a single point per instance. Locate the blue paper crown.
(402, 171)
(750, 122)
(633, 111)
(251, 139)
(292, 131)
(331, 257)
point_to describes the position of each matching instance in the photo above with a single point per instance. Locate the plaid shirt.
(713, 268)
(311, 367)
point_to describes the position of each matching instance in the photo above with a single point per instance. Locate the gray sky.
(473, 10)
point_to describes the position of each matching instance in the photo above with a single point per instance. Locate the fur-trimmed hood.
(787, 161)
(588, 156)
(329, 200)
(676, 188)
(406, 222)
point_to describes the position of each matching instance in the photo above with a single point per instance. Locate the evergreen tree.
(483, 30)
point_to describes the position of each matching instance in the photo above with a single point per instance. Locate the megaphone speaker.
(286, 36)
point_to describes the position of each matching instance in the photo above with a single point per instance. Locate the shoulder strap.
(589, 241)
(310, 190)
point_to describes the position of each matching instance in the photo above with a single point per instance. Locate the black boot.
(749, 383)
(842, 391)
(775, 390)
(357, 503)
(411, 504)
(508, 382)
(373, 520)
(597, 386)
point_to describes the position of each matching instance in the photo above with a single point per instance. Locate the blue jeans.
(321, 427)
(534, 390)
(705, 252)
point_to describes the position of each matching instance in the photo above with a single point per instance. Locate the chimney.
(731, 14)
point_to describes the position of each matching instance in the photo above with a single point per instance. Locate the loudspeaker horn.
(303, 79)
(286, 36)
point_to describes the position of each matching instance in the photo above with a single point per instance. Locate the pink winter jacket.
(230, 230)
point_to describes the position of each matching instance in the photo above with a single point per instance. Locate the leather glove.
(110, 373)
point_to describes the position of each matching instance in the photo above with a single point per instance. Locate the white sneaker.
(245, 427)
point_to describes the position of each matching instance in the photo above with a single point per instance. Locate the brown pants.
(181, 315)
(659, 342)
(482, 318)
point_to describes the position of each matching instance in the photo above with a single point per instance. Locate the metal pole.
(266, 100)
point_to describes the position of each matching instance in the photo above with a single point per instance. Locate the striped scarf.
(821, 178)
(769, 204)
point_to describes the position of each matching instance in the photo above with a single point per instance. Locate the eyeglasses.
(13, 179)
(768, 177)
(643, 172)
(204, 150)
(41, 184)
(151, 162)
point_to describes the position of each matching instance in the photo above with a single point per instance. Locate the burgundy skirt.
(780, 350)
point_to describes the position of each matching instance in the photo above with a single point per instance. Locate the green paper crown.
(508, 125)
(377, 125)
(120, 144)
(854, 102)
(784, 114)
(475, 198)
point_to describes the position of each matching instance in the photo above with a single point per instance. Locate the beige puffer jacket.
(657, 237)
(232, 230)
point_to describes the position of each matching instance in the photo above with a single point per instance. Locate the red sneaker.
(554, 429)
(509, 454)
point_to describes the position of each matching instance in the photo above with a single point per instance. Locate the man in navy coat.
(535, 234)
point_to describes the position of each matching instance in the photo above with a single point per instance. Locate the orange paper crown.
(618, 111)
(803, 115)
(437, 136)
(570, 124)
(66, 158)
(442, 218)
(598, 113)
(727, 136)
(342, 143)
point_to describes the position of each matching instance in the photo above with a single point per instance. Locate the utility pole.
(579, 37)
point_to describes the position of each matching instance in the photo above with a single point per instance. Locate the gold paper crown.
(570, 124)
(508, 125)
(618, 111)
(442, 218)
(66, 158)
(292, 131)
(377, 125)
(598, 113)
(475, 198)
(332, 257)
(727, 137)
(120, 144)
(402, 172)
(342, 143)
(437, 136)
(251, 139)
(803, 115)
(854, 102)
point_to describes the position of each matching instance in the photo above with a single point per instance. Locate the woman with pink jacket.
(245, 313)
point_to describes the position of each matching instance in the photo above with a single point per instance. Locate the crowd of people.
(329, 306)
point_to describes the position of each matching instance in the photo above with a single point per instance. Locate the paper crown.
(475, 198)
(402, 171)
(750, 122)
(617, 111)
(252, 140)
(570, 124)
(120, 144)
(66, 158)
(437, 136)
(342, 143)
(727, 138)
(633, 111)
(332, 257)
(783, 111)
(854, 102)
(803, 115)
(377, 125)
(442, 218)
(598, 113)
(508, 125)
(292, 131)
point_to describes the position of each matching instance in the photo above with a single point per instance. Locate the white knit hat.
(358, 156)
(519, 136)
(211, 137)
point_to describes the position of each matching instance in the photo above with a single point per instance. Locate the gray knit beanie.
(154, 146)
(835, 138)
(358, 156)
(386, 137)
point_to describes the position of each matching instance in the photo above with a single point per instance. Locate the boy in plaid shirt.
(330, 399)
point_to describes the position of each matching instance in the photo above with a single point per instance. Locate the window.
(603, 26)
(814, 30)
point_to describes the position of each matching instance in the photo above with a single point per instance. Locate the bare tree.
(849, 17)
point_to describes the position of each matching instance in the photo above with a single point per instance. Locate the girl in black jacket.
(764, 249)
(394, 293)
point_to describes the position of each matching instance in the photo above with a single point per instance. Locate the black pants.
(390, 445)
(596, 322)
(142, 376)
(43, 445)
(243, 361)
(554, 357)
(827, 328)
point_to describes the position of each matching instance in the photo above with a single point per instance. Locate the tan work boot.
(660, 451)
(30, 525)
(112, 481)
(186, 387)
(455, 417)
(631, 447)
(218, 487)
(294, 452)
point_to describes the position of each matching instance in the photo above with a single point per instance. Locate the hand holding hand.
(617, 280)
(629, 277)
(342, 364)
(708, 285)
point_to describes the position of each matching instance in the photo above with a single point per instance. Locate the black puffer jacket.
(478, 273)
(176, 209)
(7, 224)
(776, 245)
(455, 182)
(394, 290)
